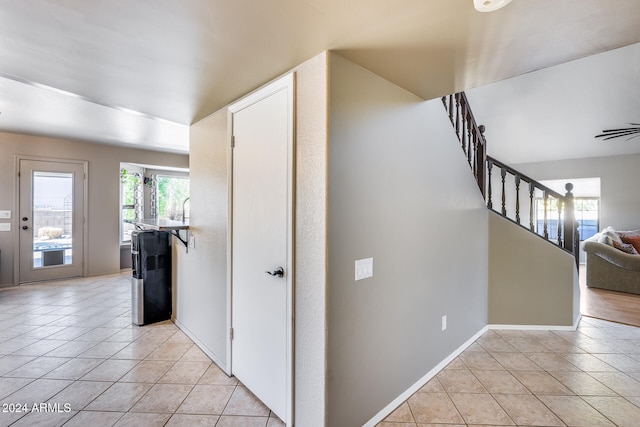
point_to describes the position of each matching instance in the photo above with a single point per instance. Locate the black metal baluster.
(489, 169)
(546, 207)
(503, 173)
(517, 179)
(531, 191)
(458, 116)
(481, 160)
(475, 151)
(559, 223)
(472, 137)
(463, 140)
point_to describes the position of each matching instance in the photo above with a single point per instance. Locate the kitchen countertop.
(160, 224)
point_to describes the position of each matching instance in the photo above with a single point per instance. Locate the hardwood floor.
(620, 307)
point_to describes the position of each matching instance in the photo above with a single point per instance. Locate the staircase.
(521, 199)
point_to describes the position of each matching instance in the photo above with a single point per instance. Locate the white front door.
(51, 220)
(261, 259)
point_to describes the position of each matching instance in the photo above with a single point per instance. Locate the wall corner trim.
(387, 410)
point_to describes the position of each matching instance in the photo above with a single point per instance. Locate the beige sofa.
(611, 268)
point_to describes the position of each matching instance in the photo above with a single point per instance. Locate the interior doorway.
(261, 244)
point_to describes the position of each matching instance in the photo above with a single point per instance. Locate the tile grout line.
(558, 353)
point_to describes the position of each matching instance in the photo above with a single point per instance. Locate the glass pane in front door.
(52, 219)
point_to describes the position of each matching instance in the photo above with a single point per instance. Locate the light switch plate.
(192, 241)
(364, 268)
(5, 214)
(5, 226)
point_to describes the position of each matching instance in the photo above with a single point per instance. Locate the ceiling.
(555, 113)
(138, 72)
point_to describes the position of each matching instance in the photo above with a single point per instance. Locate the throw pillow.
(603, 238)
(610, 232)
(626, 248)
(633, 240)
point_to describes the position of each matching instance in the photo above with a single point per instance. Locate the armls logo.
(51, 407)
(36, 407)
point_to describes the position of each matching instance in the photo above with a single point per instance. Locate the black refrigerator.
(151, 281)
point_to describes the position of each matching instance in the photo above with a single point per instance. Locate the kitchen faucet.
(183, 208)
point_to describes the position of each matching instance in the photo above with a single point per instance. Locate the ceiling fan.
(631, 132)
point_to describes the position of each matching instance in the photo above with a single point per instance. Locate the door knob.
(24, 218)
(24, 227)
(277, 272)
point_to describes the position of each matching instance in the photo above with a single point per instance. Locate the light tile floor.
(589, 377)
(70, 345)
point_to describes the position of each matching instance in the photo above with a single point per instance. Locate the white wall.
(103, 194)
(201, 276)
(400, 191)
(311, 242)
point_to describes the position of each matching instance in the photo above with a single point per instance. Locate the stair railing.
(470, 135)
(523, 200)
(533, 205)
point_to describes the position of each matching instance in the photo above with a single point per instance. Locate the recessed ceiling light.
(489, 5)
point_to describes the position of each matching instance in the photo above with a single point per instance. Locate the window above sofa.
(586, 210)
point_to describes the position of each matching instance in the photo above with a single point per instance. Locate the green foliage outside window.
(172, 192)
(128, 185)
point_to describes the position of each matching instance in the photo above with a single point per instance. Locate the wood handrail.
(470, 135)
(474, 146)
(568, 237)
(525, 178)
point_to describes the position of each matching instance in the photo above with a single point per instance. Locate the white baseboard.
(422, 381)
(387, 410)
(538, 327)
(202, 347)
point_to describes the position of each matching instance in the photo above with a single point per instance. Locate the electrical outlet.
(444, 322)
(5, 226)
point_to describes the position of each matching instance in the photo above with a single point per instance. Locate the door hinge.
(231, 333)
(233, 141)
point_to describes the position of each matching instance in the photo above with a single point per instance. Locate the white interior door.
(262, 135)
(51, 220)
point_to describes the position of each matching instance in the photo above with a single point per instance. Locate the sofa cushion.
(626, 248)
(609, 235)
(603, 238)
(629, 233)
(612, 256)
(632, 240)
